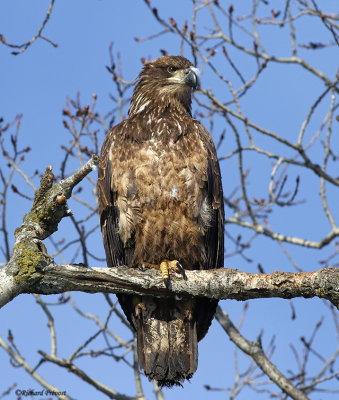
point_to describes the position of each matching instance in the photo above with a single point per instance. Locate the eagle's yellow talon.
(175, 266)
(166, 266)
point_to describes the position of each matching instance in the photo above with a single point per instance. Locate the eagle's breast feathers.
(161, 186)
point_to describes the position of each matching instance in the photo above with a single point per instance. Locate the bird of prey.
(161, 206)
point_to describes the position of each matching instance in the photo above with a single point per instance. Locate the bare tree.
(276, 175)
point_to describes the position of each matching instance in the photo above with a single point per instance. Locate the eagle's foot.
(166, 266)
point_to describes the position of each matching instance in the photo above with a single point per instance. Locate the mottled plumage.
(160, 198)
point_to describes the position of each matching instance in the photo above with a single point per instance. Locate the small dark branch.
(233, 65)
(82, 241)
(24, 46)
(8, 391)
(287, 5)
(290, 201)
(315, 46)
(18, 192)
(230, 21)
(6, 176)
(325, 22)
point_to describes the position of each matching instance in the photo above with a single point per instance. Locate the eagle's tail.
(167, 340)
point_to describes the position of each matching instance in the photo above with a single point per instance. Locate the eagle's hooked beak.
(192, 77)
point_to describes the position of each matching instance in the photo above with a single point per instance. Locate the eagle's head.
(165, 82)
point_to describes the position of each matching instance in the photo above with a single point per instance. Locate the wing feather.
(116, 252)
(214, 237)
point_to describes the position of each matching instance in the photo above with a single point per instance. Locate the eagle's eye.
(171, 69)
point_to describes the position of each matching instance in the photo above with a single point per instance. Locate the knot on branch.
(47, 211)
(50, 201)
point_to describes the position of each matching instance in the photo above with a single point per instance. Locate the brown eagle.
(161, 206)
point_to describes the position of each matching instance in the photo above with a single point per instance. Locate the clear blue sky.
(37, 84)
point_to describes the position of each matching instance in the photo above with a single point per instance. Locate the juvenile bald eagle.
(161, 206)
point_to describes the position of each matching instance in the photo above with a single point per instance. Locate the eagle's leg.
(166, 266)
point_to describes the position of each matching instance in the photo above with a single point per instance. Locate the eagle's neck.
(158, 99)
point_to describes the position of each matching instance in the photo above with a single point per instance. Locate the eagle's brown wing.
(117, 253)
(214, 237)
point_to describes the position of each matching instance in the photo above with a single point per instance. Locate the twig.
(22, 362)
(50, 324)
(111, 393)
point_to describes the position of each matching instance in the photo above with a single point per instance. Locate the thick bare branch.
(218, 284)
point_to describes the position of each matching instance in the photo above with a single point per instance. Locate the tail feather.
(168, 332)
(167, 340)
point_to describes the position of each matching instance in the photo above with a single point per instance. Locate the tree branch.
(218, 284)
(254, 349)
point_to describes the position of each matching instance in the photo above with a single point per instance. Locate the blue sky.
(37, 83)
